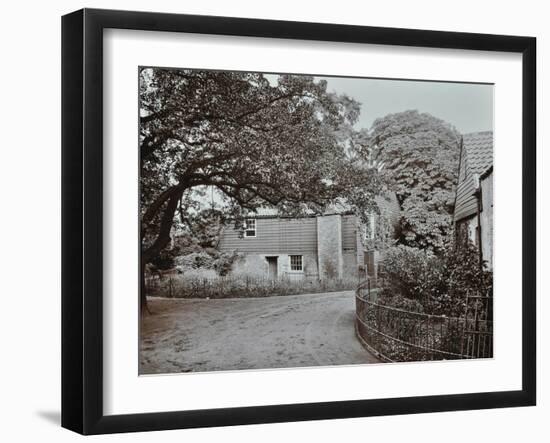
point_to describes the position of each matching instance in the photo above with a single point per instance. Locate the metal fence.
(395, 334)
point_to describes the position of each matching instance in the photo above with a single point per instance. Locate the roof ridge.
(478, 132)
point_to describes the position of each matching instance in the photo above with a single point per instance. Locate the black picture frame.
(82, 218)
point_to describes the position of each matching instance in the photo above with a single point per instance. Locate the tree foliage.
(420, 155)
(255, 142)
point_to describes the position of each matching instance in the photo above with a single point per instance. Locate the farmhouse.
(473, 216)
(310, 247)
(333, 245)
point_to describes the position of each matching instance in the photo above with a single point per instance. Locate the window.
(250, 227)
(296, 263)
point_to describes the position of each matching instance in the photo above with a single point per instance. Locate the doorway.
(272, 267)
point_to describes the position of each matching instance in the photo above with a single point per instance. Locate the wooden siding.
(286, 236)
(476, 156)
(274, 236)
(466, 201)
(349, 232)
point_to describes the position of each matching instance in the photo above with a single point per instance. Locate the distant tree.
(420, 155)
(256, 143)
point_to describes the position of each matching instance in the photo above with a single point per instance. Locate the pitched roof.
(265, 212)
(478, 147)
(338, 207)
(476, 159)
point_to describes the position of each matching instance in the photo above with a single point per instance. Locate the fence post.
(170, 287)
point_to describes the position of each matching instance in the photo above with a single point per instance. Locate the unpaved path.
(250, 333)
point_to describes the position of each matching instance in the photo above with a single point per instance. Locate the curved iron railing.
(395, 334)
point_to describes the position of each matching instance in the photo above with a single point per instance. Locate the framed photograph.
(269, 221)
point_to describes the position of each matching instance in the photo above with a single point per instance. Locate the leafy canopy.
(420, 155)
(256, 141)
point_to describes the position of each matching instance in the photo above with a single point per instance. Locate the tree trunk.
(162, 240)
(143, 289)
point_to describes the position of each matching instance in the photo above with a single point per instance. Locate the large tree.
(280, 143)
(420, 156)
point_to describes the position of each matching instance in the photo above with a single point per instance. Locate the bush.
(414, 274)
(199, 274)
(400, 302)
(203, 283)
(224, 262)
(194, 260)
(220, 262)
(165, 260)
(439, 283)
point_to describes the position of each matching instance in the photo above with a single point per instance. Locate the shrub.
(400, 302)
(220, 262)
(199, 274)
(224, 262)
(164, 261)
(411, 273)
(203, 283)
(439, 283)
(194, 260)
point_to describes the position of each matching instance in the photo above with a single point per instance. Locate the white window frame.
(301, 263)
(246, 229)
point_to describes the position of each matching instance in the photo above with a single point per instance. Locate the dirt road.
(250, 333)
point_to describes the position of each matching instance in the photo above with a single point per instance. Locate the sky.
(466, 106)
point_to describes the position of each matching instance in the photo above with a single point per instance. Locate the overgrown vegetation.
(418, 157)
(207, 285)
(194, 247)
(438, 284)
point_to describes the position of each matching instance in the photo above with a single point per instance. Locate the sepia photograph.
(296, 220)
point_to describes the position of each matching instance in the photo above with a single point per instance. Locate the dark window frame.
(293, 265)
(247, 229)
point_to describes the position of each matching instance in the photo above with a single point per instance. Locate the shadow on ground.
(53, 417)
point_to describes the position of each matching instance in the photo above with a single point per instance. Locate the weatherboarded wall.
(331, 246)
(466, 202)
(476, 157)
(274, 236)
